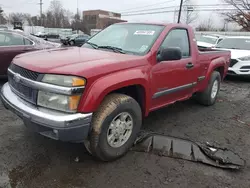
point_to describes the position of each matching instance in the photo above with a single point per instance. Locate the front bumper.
(50, 123)
(241, 68)
(240, 72)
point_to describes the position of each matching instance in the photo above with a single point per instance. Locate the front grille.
(245, 67)
(23, 91)
(233, 62)
(20, 89)
(24, 72)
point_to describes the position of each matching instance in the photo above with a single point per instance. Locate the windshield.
(208, 39)
(235, 43)
(131, 38)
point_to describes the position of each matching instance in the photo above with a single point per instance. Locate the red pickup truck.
(99, 93)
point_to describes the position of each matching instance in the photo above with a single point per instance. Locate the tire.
(206, 98)
(114, 106)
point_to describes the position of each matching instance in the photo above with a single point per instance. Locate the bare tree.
(205, 25)
(19, 17)
(80, 24)
(56, 16)
(241, 14)
(190, 13)
(34, 20)
(2, 18)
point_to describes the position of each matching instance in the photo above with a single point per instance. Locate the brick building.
(99, 19)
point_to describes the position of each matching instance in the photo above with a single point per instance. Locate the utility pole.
(41, 10)
(179, 16)
(78, 17)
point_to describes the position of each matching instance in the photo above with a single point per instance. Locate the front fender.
(96, 92)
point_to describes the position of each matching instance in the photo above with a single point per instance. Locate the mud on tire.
(206, 97)
(111, 107)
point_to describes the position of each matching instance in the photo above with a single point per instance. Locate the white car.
(240, 54)
(208, 41)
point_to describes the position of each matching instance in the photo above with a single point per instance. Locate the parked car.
(65, 39)
(14, 42)
(209, 41)
(240, 50)
(99, 93)
(52, 37)
(78, 40)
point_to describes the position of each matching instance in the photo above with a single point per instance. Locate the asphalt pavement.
(28, 160)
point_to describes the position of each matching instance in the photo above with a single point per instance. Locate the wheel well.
(221, 71)
(137, 92)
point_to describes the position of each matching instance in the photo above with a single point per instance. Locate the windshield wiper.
(115, 49)
(95, 46)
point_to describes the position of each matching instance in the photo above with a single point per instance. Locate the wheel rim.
(215, 89)
(120, 130)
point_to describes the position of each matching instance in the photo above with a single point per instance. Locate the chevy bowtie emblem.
(17, 77)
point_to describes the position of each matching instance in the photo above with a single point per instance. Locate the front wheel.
(115, 127)
(209, 96)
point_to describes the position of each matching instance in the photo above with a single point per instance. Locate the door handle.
(189, 65)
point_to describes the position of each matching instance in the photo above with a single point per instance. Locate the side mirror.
(169, 54)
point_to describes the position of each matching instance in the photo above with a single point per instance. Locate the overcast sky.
(32, 7)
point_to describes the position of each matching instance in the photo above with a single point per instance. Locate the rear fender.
(103, 86)
(215, 64)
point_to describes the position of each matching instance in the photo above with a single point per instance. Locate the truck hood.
(77, 61)
(235, 54)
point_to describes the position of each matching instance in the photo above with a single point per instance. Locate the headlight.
(58, 102)
(246, 58)
(61, 102)
(61, 80)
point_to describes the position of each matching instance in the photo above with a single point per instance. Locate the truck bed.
(207, 55)
(209, 50)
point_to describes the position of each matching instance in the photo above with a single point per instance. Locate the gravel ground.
(28, 160)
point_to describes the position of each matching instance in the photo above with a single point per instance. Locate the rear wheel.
(209, 96)
(114, 127)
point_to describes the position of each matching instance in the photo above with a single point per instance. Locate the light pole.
(179, 16)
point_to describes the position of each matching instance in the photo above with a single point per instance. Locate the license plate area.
(23, 91)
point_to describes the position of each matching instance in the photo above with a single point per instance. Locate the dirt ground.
(28, 160)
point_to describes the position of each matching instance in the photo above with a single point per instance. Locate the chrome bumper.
(53, 124)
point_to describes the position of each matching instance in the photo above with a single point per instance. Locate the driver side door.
(173, 80)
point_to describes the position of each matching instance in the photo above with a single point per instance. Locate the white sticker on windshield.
(144, 32)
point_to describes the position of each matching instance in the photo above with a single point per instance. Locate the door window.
(16, 40)
(178, 38)
(10, 39)
(4, 39)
